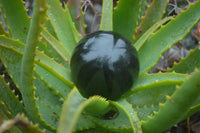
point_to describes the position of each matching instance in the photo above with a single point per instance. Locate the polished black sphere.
(105, 64)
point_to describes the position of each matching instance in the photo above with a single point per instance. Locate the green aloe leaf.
(150, 31)
(48, 102)
(63, 24)
(135, 122)
(26, 85)
(159, 79)
(54, 83)
(16, 18)
(187, 65)
(12, 61)
(166, 36)
(58, 70)
(60, 49)
(125, 17)
(173, 110)
(155, 80)
(71, 112)
(150, 96)
(153, 14)
(9, 98)
(106, 18)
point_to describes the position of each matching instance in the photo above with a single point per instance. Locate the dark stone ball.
(105, 64)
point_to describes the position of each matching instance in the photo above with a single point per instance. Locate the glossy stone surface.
(105, 64)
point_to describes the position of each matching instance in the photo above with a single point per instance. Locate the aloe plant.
(36, 53)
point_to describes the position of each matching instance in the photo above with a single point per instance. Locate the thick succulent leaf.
(47, 45)
(61, 50)
(71, 112)
(12, 61)
(159, 79)
(106, 17)
(48, 102)
(155, 80)
(187, 65)
(63, 24)
(173, 110)
(97, 107)
(135, 122)
(150, 31)
(54, 83)
(150, 96)
(166, 36)
(26, 78)
(77, 15)
(54, 68)
(153, 14)
(16, 17)
(9, 98)
(125, 17)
